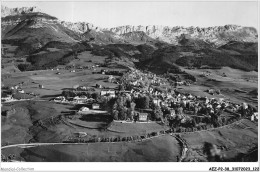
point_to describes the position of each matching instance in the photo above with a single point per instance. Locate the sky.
(112, 14)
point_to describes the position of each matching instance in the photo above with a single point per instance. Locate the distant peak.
(6, 11)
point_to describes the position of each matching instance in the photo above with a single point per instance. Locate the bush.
(25, 67)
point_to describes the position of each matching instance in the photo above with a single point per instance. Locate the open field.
(160, 149)
(54, 83)
(27, 113)
(227, 138)
(235, 79)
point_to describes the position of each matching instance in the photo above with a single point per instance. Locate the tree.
(121, 87)
(152, 105)
(158, 114)
(143, 102)
(120, 108)
(129, 114)
(142, 85)
(24, 67)
(95, 95)
(104, 103)
(146, 101)
(128, 86)
(115, 114)
(122, 113)
(67, 93)
(132, 106)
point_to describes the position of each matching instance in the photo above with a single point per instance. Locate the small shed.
(211, 91)
(20, 91)
(98, 86)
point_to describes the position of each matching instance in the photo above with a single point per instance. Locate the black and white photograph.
(129, 81)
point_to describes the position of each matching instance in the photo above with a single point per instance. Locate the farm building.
(143, 117)
(79, 100)
(59, 99)
(211, 91)
(20, 91)
(108, 92)
(83, 109)
(157, 101)
(98, 86)
(81, 88)
(41, 86)
(179, 82)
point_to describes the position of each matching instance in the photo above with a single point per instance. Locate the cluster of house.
(109, 72)
(11, 93)
(7, 98)
(75, 100)
(74, 68)
(177, 102)
(108, 93)
(137, 78)
(142, 84)
(94, 106)
(206, 73)
(17, 88)
(212, 91)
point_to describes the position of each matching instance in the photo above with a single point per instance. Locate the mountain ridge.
(217, 35)
(6, 11)
(36, 35)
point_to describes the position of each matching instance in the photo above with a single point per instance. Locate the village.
(129, 105)
(145, 97)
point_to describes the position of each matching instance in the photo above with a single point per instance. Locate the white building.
(108, 92)
(83, 109)
(20, 91)
(95, 106)
(59, 99)
(157, 101)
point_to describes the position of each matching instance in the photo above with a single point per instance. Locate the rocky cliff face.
(218, 35)
(80, 27)
(11, 17)
(5, 11)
